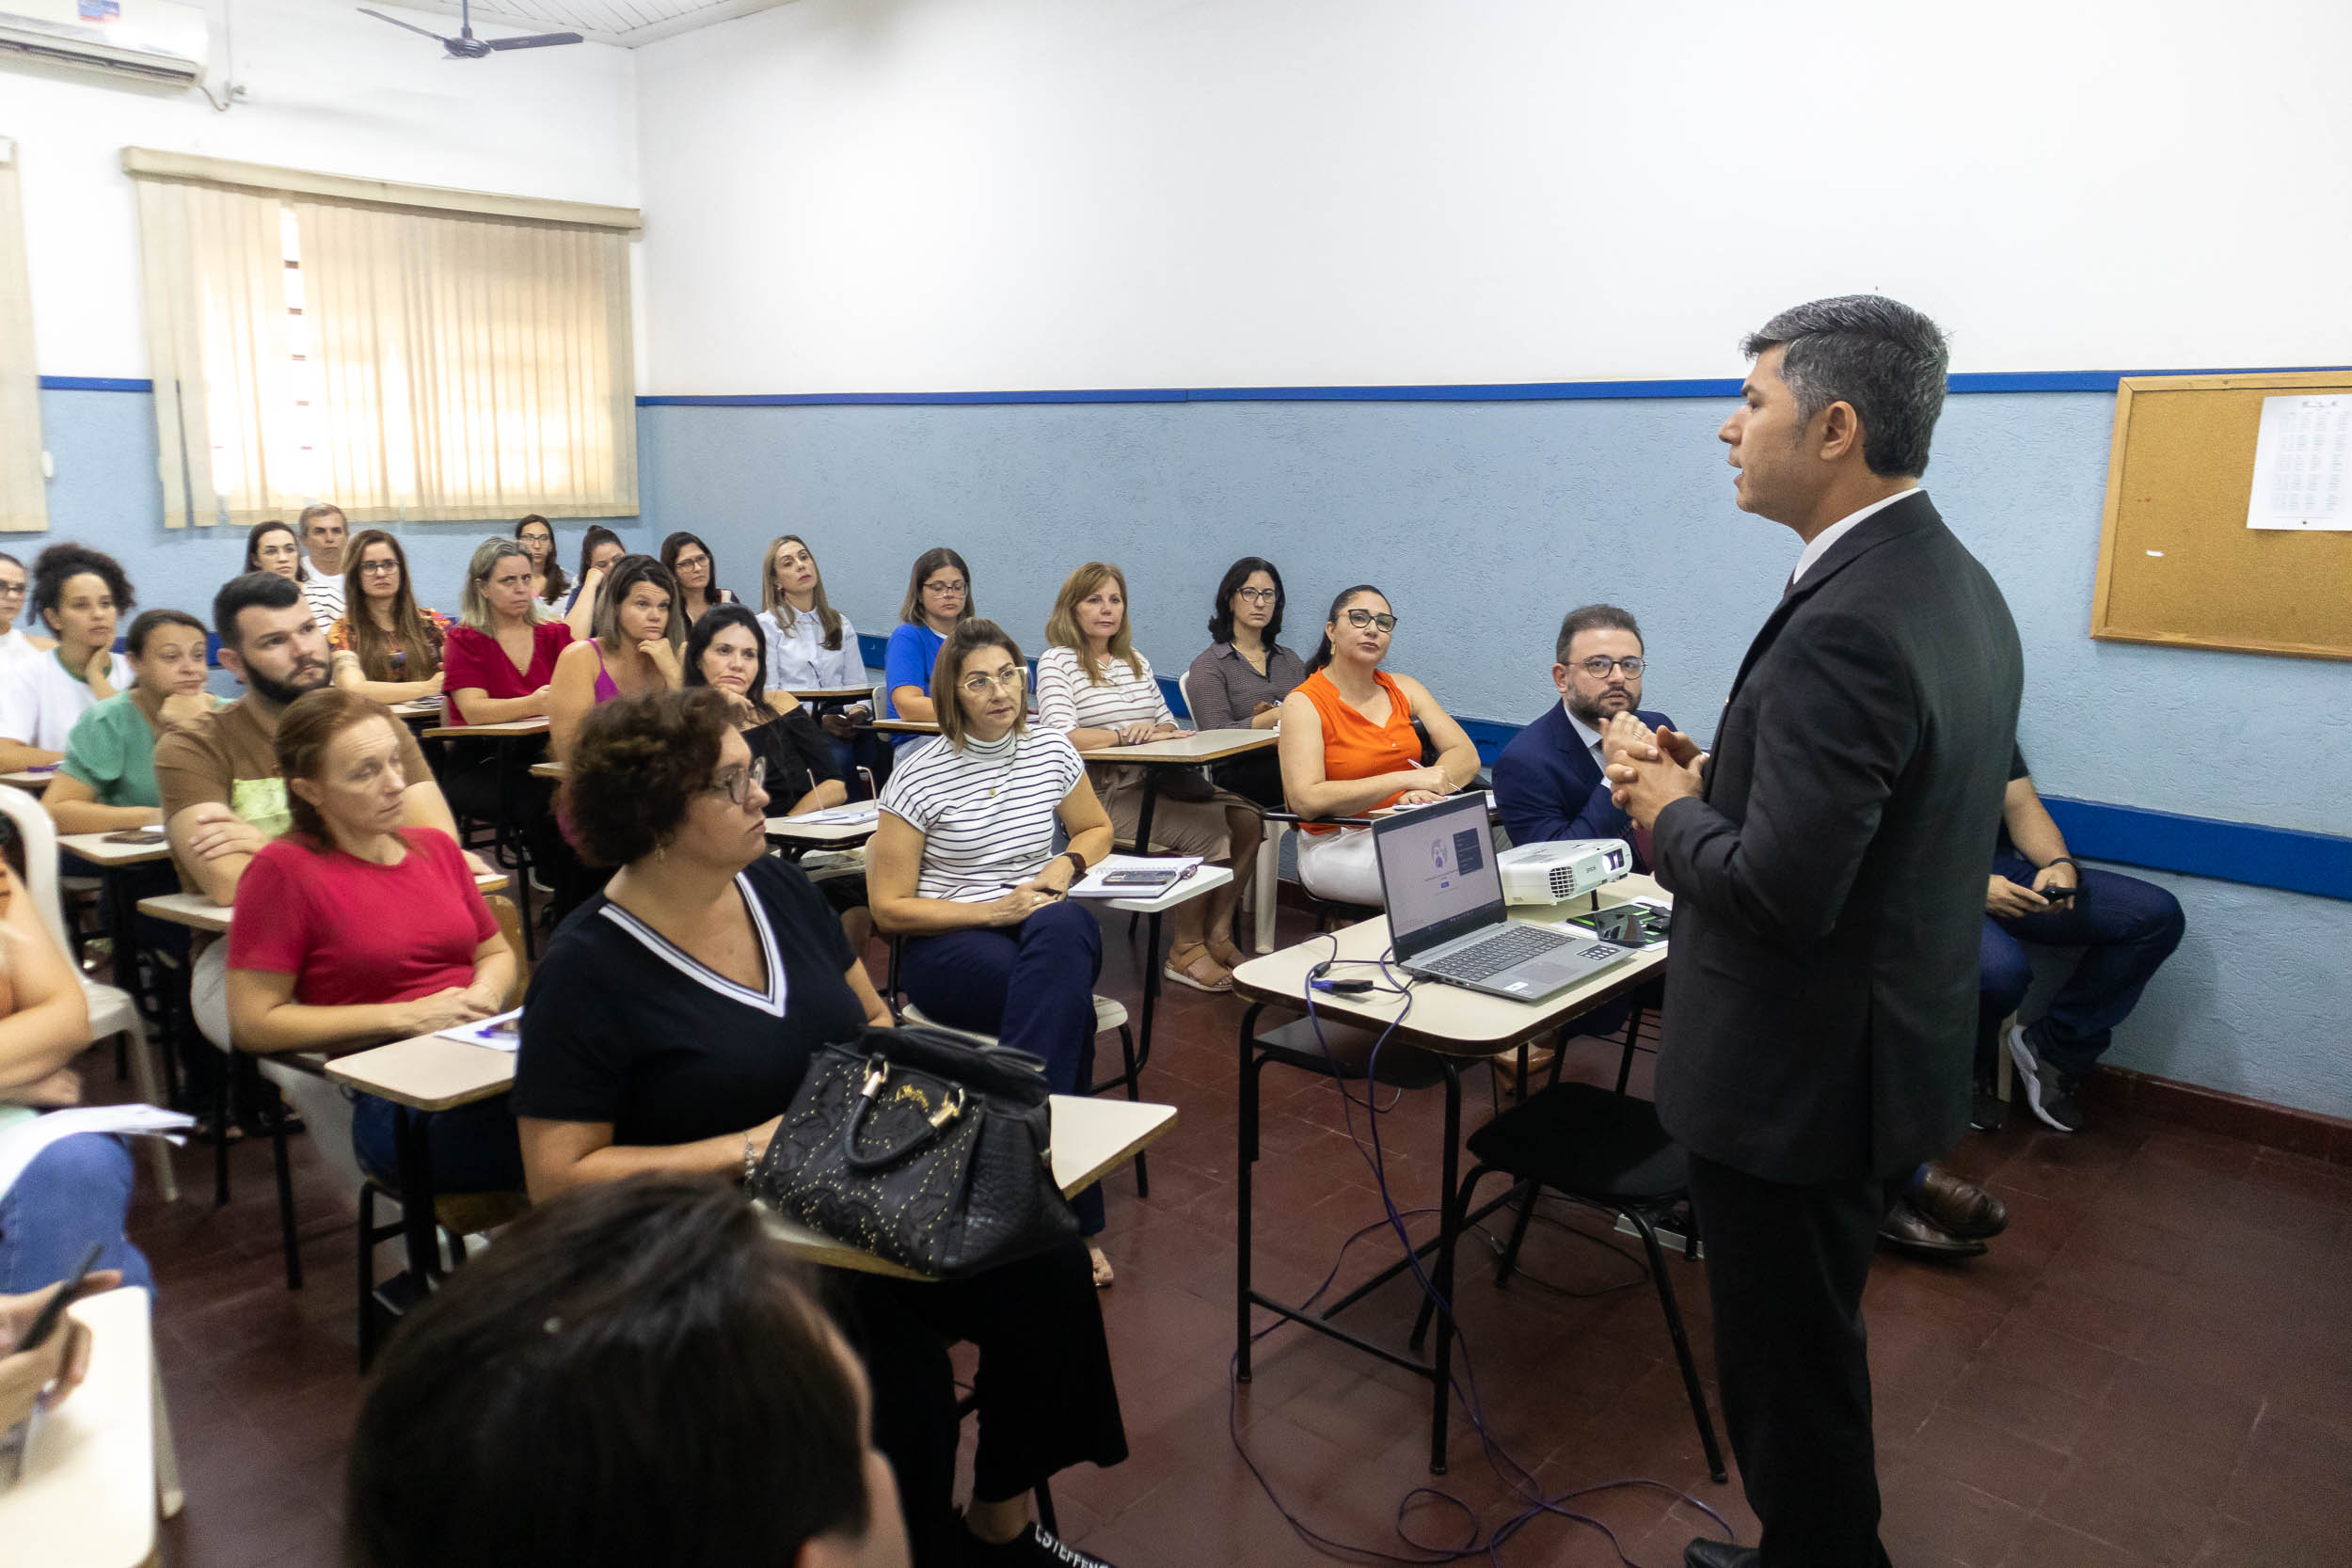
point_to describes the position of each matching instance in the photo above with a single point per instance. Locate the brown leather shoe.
(1707, 1553)
(1906, 1230)
(1960, 1206)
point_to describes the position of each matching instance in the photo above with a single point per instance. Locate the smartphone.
(2059, 895)
(45, 1321)
(1138, 879)
(153, 833)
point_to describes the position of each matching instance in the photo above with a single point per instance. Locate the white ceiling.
(627, 22)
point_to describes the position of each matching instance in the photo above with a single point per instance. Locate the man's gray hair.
(1878, 355)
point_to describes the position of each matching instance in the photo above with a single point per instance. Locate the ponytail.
(1321, 655)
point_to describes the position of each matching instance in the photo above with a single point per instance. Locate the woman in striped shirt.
(1093, 686)
(962, 862)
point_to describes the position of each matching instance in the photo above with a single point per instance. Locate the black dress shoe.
(1906, 1230)
(1706, 1553)
(1960, 1206)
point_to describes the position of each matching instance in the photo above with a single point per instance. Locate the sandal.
(1103, 1278)
(1201, 971)
(1225, 952)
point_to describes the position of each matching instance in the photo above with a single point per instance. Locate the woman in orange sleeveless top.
(1348, 746)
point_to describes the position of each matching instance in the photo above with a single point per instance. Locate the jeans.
(965, 980)
(473, 1149)
(75, 1192)
(2127, 929)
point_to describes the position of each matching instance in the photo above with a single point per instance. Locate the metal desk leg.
(1246, 1157)
(416, 1195)
(516, 843)
(1144, 809)
(1449, 1232)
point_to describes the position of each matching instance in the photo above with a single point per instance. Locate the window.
(412, 355)
(24, 498)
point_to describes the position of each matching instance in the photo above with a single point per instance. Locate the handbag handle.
(877, 1074)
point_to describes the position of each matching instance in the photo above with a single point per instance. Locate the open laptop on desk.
(1444, 893)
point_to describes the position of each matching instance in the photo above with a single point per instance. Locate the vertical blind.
(24, 498)
(407, 354)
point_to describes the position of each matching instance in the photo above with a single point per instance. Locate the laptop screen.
(1437, 873)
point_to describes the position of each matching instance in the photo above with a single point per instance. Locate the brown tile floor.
(2152, 1367)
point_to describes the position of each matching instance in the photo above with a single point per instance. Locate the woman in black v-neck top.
(668, 1028)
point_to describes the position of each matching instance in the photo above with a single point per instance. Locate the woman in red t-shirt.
(353, 930)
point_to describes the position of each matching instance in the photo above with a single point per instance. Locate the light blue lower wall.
(1484, 521)
(105, 493)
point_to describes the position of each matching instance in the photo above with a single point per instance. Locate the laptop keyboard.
(1499, 952)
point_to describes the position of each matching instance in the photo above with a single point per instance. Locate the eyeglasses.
(1360, 619)
(954, 588)
(1600, 665)
(379, 566)
(981, 682)
(1258, 595)
(11, 590)
(685, 562)
(738, 787)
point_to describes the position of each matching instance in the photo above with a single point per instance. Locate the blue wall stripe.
(2289, 859)
(94, 384)
(1529, 391)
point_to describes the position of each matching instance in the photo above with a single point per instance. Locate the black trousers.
(1045, 1395)
(1785, 1270)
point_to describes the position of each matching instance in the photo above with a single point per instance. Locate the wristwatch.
(1077, 863)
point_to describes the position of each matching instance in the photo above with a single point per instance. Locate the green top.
(112, 750)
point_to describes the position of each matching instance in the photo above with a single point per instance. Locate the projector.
(1563, 869)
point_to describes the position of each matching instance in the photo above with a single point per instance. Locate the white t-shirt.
(39, 700)
(986, 812)
(1065, 700)
(16, 648)
(327, 599)
(797, 659)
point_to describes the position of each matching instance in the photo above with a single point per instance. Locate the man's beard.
(1590, 712)
(279, 693)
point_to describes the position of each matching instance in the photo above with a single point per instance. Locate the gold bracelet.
(751, 1159)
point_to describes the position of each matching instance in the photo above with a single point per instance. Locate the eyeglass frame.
(738, 789)
(964, 588)
(1371, 618)
(366, 566)
(1633, 667)
(980, 682)
(1258, 595)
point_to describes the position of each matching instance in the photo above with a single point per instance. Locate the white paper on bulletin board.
(2303, 465)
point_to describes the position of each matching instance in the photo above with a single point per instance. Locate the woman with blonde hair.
(811, 645)
(388, 647)
(1092, 686)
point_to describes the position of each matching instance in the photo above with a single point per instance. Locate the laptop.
(1444, 893)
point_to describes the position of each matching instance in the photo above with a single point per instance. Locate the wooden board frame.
(2118, 449)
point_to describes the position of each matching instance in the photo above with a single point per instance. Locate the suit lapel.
(1911, 515)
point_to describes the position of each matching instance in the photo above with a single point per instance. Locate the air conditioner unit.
(159, 40)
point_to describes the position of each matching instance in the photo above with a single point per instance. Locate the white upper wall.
(960, 195)
(327, 89)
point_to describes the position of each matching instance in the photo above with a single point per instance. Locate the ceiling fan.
(465, 46)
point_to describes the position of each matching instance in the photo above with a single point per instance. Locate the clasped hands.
(1650, 770)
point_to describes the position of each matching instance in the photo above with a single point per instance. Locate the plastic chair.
(1265, 882)
(112, 1010)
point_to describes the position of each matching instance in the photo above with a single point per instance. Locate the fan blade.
(398, 22)
(535, 40)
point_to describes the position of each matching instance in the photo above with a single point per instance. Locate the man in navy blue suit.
(1547, 782)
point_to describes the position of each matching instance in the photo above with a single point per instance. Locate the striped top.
(1065, 700)
(986, 810)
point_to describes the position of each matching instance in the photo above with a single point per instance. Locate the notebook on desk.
(1443, 889)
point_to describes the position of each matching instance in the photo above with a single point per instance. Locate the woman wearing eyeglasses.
(1239, 682)
(1348, 746)
(690, 562)
(962, 864)
(666, 1031)
(939, 597)
(388, 647)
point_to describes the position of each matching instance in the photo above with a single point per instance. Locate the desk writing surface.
(200, 913)
(1200, 746)
(94, 849)
(87, 1497)
(797, 830)
(1444, 1017)
(429, 1072)
(904, 727)
(546, 770)
(511, 728)
(32, 778)
(833, 693)
(1091, 1137)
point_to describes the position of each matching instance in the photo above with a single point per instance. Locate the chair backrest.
(510, 927)
(40, 833)
(1183, 691)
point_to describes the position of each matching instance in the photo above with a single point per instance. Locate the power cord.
(1522, 1481)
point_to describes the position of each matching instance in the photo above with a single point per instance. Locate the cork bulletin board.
(2178, 565)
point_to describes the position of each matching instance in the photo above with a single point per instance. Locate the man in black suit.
(1828, 871)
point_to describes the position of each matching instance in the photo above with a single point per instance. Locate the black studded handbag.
(923, 1148)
